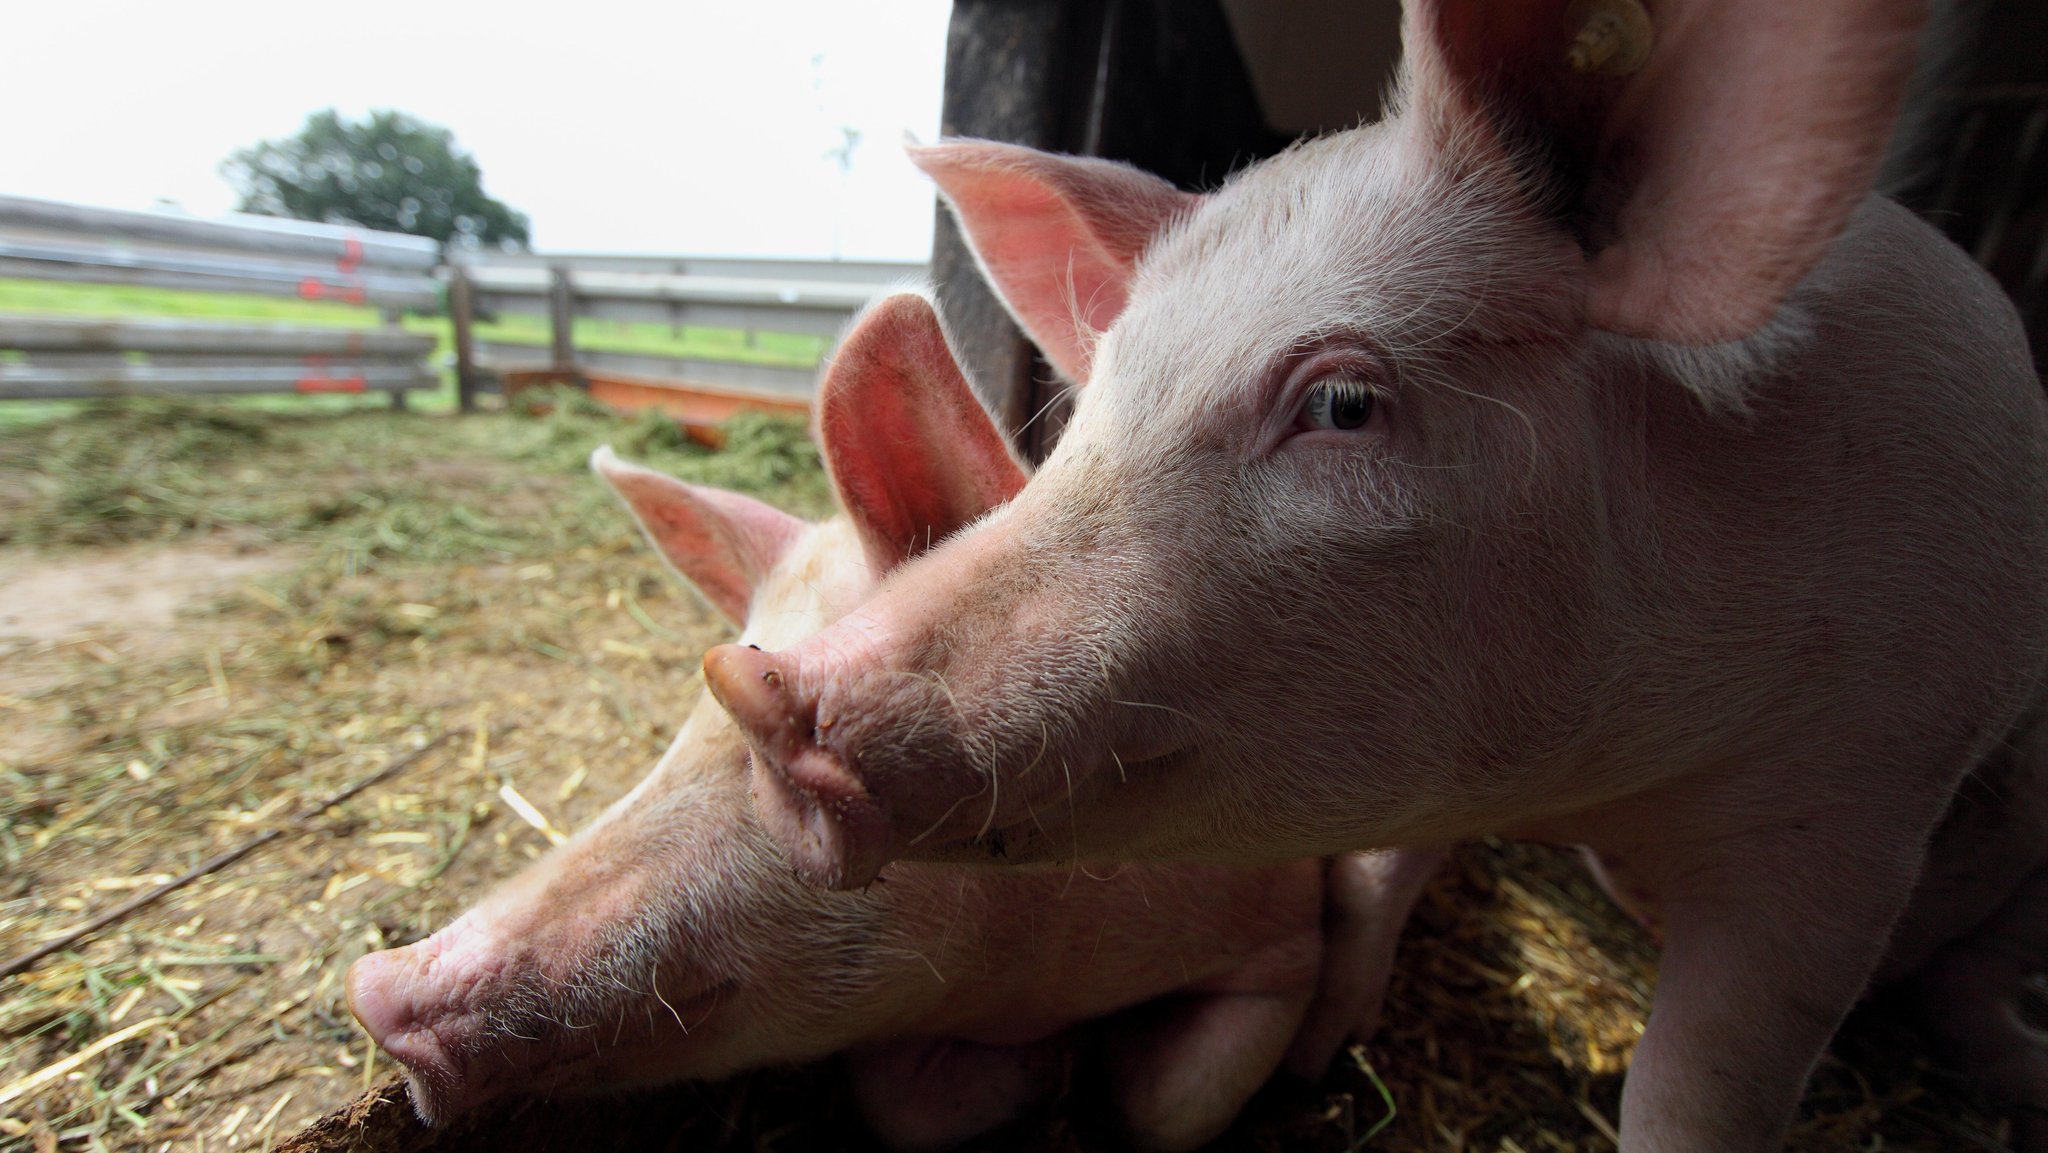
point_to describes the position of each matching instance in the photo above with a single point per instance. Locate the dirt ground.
(209, 622)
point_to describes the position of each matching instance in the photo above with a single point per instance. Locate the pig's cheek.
(836, 831)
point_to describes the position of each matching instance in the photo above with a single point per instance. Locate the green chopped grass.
(147, 468)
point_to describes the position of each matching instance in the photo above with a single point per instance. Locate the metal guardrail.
(324, 243)
(42, 357)
(48, 240)
(872, 273)
(37, 334)
(762, 304)
(768, 380)
(114, 263)
(808, 297)
(62, 357)
(21, 383)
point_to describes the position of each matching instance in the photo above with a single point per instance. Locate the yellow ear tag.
(1610, 37)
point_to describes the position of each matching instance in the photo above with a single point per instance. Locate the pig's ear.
(912, 453)
(1058, 236)
(721, 542)
(1715, 148)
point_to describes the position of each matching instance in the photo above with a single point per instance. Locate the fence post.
(461, 316)
(394, 319)
(562, 317)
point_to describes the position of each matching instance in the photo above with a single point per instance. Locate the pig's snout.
(392, 997)
(835, 829)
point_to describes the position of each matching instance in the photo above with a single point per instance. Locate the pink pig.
(669, 940)
(1580, 454)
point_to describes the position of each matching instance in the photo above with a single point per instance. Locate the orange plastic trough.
(699, 409)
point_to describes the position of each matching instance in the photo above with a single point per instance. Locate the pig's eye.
(1337, 402)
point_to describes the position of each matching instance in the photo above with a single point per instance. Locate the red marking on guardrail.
(330, 384)
(351, 255)
(313, 288)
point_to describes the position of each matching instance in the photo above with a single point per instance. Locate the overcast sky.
(686, 126)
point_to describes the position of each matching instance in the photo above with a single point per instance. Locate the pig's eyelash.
(1287, 382)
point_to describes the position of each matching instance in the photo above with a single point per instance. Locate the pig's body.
(670, 941)
(1439, 475)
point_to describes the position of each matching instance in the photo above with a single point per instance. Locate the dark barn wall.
(1971, 154)
(1157, 83)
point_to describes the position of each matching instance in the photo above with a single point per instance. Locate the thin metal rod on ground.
(220, 861)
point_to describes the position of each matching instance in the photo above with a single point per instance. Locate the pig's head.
(1324, 558)
(669, 939)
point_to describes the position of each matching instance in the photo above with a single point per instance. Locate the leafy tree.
(390, 172)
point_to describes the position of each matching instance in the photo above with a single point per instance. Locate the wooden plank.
(562, 318)
(462, 320)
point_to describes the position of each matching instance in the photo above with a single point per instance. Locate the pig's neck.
(1811, 577)
(1010, 956)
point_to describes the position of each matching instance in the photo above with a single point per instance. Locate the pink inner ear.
(911, 451)
(1758, 128)
(1058, 236)
(1739, 150)
(723, 543)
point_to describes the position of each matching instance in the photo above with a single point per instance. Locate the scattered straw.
(26, 1086)
(1357, 1054)
(1598, 1121)
(123, 761)
(216, 863)
(531, 815)
(265, 1123)
(1518, 1000)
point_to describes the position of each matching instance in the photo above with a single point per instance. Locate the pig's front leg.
(1771, 934)
(920, 1094)
(1970, 996)
(1366, 901)
(1185, 1066)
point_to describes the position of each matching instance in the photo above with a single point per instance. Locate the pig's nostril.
(760, 694)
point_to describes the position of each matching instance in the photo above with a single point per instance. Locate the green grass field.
(46, 298)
